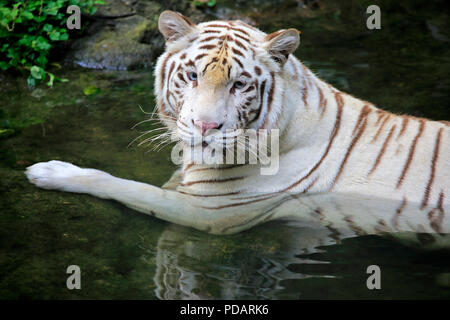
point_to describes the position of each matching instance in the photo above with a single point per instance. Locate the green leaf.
(91, 90)
(14, 14)
(5, 11)
(31, 81)
(47, 27)
(4, 65)
(51, 10)
(40, 18)
(6, 132)
(42, 60)
(26, 41)
(27, 14)
(50, 81)
(54, 35)
(42, 43)
(64, 37)
(37, 72)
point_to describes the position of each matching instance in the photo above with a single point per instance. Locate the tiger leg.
(164, 204)
(174, 181)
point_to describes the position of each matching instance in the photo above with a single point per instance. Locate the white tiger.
(336, 152)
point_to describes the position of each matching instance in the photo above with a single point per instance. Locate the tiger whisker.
(163, 145)
(143, 134)
(146, 120)
(140, 107)
(154, 138)
(165, 142)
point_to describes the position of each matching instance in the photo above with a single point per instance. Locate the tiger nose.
(205, 126)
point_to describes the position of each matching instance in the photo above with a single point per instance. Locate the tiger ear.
(282, 43)
(174, 25)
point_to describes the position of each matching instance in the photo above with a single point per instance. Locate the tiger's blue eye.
(239, 84)
(192, 76)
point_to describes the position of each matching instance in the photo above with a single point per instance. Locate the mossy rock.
(125, 36)
(118, 47)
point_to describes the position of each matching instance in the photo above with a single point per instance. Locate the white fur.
(353, 199)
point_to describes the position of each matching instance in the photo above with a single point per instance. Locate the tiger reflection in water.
(268, 262)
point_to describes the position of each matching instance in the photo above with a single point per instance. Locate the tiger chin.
(344, 164)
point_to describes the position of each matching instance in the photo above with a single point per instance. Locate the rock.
(125, 36)
(114, 8)
(118, 46)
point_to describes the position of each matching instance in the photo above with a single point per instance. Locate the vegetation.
(203, 3)
(30, 29)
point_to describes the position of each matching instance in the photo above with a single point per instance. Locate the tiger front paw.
(59, 175)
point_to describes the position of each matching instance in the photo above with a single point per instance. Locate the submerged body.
(336, 152)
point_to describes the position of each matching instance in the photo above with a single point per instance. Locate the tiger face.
(218, 77)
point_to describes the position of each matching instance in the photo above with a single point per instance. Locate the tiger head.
(220, 76)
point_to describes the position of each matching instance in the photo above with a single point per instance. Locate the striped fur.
(333, 148)
(332, 141)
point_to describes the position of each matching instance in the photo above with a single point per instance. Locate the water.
(123, 254)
